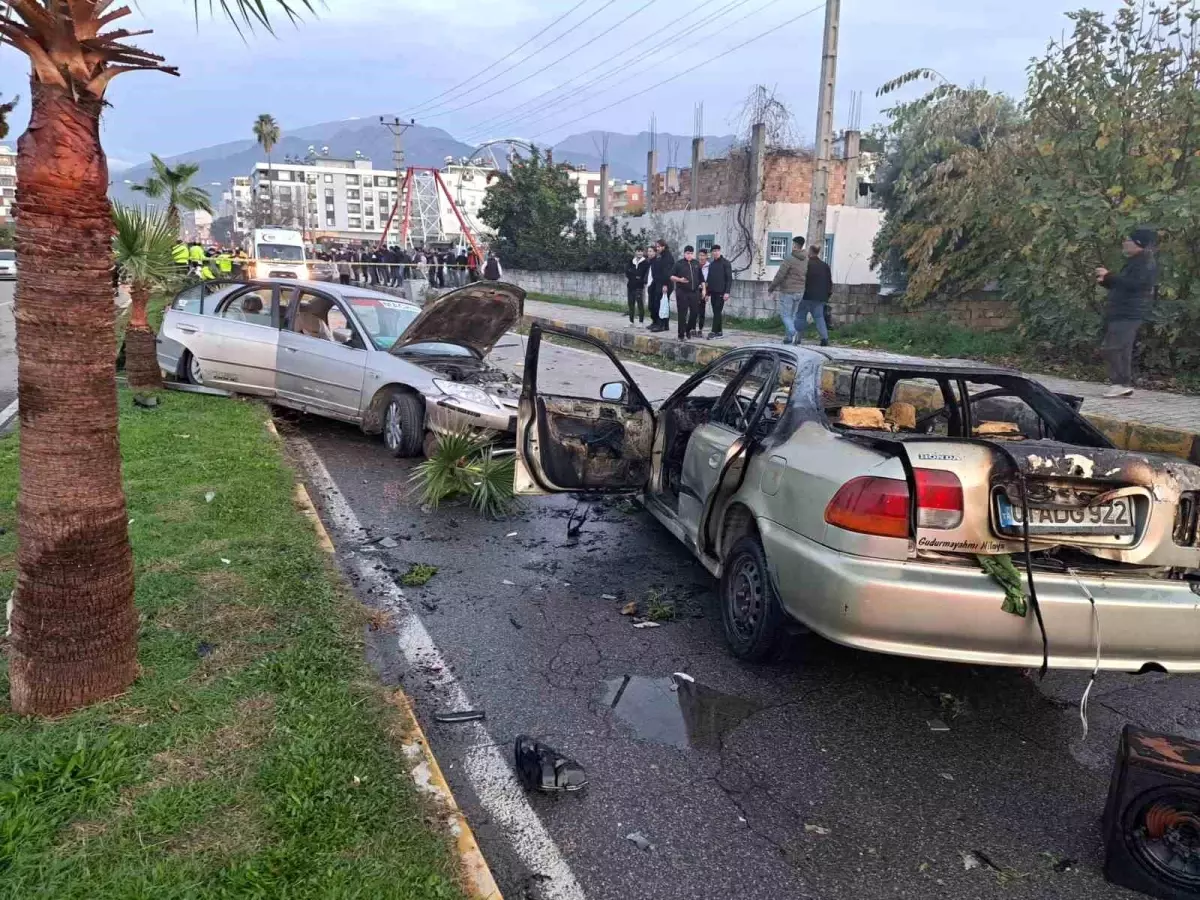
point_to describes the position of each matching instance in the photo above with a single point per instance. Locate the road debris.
(509, 583)
(683, 676)
(228, 562)
(459, 716)
(145, 402)
(196, 389)
(613, 597)
(646, 625)
(640, 841)
(630, 608)
(818, 829)
(388, 543)
(947, 776)
(542, 768)
(975, 859)
(937, 725)
(515, 624)
(511, 534)
(417, 575)
(210, 497)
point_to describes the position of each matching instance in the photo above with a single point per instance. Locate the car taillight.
(939, 499)
(1187, 520)
(873, 505)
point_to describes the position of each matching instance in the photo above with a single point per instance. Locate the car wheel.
(404, 424)
(191, 369)
(750, 611)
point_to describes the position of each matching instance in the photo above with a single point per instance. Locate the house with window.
(755, 229)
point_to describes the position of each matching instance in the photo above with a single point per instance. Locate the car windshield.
(8, 254)
(281, 252)
(384, 320)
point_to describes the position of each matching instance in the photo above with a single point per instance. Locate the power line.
(659, 84)
(491, 121)
(540, 114)
(500, 60)
(567, 55)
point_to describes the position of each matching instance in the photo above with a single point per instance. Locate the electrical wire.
(488, 67)
(548, 65)
(636, 72)
(748, 41)
(501, 118)
(1083, 701)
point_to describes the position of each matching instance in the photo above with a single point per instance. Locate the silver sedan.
(353, 354)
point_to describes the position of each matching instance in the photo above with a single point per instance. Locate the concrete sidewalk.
(1154, 421)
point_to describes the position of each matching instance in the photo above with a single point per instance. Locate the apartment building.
(8, 183)
(325, 198)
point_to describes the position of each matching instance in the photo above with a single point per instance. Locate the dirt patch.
(177, 512)
(230, 830)
(216, 753)
(222, 582)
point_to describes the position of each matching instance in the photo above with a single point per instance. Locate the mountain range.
(423, 146)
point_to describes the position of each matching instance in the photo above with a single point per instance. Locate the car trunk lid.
(474, 317)
(1114, 505)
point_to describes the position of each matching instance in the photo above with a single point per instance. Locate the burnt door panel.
(592, 444)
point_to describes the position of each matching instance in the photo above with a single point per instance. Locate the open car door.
(580, 433)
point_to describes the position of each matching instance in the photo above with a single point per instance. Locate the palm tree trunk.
(270, 191)
(141, 352)
(173, 218)
(74, 627)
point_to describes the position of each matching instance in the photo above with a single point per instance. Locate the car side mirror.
(343, 335)
(614, 392)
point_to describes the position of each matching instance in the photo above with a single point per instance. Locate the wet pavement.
(819, 776)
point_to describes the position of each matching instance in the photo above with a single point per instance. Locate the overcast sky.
(365, 57)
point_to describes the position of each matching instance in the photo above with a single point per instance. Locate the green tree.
(267, 133)
(142, 245)
(940, 185)
(532, 208)
(1114, 143)
(73, 623)
(174, 185)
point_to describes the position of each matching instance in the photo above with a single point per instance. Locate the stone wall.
(979, 311)
(787, 178)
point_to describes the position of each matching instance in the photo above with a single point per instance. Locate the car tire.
(189, 369)
(404, 424)
(751, 615)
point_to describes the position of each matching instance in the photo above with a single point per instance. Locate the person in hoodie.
(636, 271)
(661, 269)
(789, 281)
(1129, 297)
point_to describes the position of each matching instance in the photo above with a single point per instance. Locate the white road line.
(493, 782)
(7, 414)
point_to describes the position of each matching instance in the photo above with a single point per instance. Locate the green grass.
(418, 574)
(255, 756)
(933, 336)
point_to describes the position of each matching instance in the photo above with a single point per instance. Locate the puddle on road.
(675, 711)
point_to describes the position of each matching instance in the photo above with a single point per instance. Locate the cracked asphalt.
(815, 777)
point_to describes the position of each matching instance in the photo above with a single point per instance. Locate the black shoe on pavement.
(825, 343)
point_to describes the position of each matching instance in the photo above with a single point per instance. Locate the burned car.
(863, 495)
(353, 354)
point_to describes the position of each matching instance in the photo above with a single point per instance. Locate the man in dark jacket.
(661, 270)
(636, 271)
(717, 286)
(688, 283)
(818, 288)
(1129, 297)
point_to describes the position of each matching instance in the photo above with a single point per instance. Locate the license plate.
(1112, 518)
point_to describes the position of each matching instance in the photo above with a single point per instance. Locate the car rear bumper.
(447, 414)
(953, 613)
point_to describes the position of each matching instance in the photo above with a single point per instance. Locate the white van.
(278, 253)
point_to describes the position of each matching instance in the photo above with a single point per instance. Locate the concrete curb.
(1124, 434)
(477, 880)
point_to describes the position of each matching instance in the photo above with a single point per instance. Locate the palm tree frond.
(249, 14)
(153, 186)
(194, 198)
(142, 243)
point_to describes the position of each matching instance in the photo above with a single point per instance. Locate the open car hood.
(475, 317)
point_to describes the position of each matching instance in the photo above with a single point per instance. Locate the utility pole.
(397, 128)
(819, 204)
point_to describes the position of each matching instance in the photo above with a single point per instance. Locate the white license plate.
(1112, 518)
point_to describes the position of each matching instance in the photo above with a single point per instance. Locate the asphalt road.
(8, 345)
(818, 776)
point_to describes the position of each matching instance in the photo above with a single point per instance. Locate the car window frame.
(727, 397)
(356, 341)
(227, 301)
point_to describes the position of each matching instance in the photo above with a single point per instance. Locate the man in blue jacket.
(1129, 297)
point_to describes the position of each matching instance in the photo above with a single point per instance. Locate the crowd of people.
(391, 266)
(697, 281)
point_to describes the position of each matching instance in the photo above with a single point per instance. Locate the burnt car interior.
(589, 443)
(745, 394)
(956, 404)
